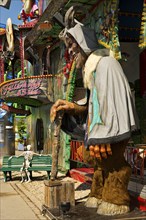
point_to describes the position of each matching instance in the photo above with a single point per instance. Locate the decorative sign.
(26, 87)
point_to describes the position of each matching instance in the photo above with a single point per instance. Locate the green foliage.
(21, 129)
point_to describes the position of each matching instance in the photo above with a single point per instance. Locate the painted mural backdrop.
(105, 22)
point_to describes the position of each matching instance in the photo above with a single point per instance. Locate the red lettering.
(22, 87)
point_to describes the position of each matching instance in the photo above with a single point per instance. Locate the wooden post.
(52, 193)
(68, 192)
(58, 122)
(56, 145)
(57, 192)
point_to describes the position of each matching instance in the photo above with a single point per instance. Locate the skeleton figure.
(28, 155)
(111, 117)
(27, 163)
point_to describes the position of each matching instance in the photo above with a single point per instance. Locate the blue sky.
(12, 12)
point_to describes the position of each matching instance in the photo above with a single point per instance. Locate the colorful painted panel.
(34, 87)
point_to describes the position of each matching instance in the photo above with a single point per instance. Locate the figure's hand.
(60, 105)
(100, 151)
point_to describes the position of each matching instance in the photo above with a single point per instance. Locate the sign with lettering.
(21, 88)
(27, 87)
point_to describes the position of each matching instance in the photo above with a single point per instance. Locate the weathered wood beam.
(53, 7)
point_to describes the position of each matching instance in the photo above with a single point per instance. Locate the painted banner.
(28, 87)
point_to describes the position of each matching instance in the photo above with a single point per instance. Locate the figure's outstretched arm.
(10, 158)
(15, 156)
(36, 154)
(45, 154)
(20, 155)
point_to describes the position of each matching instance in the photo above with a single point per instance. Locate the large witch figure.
(110, 116)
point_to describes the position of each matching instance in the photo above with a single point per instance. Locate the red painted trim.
(22, 52)
(1, 64)
(142, 203)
